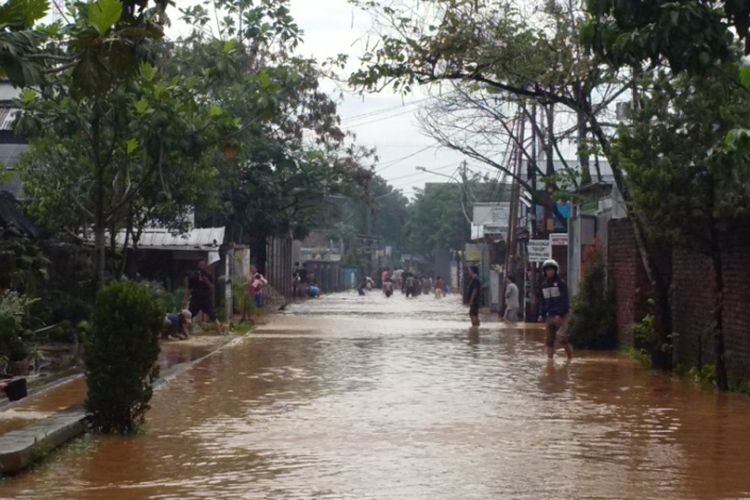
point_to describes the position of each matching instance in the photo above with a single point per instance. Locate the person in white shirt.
(512, 307)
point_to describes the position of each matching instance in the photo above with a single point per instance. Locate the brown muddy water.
(367, 398)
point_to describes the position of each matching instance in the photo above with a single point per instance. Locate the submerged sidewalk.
(54, 414)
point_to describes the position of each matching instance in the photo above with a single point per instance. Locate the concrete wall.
(279, 265)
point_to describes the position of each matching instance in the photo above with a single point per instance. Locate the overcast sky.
(385, 121)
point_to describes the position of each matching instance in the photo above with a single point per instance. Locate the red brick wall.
(692, 297)
(625, 272)
(693, 305)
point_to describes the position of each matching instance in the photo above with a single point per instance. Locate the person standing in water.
(555, 308)
(472, 292)
(511, 301)
(439, 288)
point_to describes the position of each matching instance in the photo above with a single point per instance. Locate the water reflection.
(366, 398)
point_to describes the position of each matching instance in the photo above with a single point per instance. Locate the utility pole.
(531, 171)
(511, 240)
(516, 193)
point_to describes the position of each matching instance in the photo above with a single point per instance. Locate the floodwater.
(372, 398)
(71, 395)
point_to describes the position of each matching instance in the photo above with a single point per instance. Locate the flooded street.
(368, 398)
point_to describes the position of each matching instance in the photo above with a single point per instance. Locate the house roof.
(12, 218)
(8, 118)
(203, 238)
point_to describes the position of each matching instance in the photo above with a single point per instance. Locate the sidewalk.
(53, 414)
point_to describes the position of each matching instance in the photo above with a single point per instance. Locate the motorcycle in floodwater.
(388, 288)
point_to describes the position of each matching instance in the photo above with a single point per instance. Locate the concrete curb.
(22, 447)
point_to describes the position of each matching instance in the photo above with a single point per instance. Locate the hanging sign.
(539, 250)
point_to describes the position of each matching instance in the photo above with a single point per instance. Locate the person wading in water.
(475, 288)
(555, 304)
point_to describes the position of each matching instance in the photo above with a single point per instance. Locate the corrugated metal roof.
(8, 118)
(198, 238)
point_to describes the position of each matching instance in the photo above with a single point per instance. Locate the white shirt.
(511, 296)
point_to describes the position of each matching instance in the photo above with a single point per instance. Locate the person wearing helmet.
(555, 307)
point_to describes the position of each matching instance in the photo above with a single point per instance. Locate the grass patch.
(639, 355)
(243, 327)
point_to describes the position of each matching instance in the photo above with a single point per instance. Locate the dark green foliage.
(691, 35)
(12, 345)
(643, 334)
(121, 356)
(644, 341)
(592, 325)
(23, 266)
(166, 300)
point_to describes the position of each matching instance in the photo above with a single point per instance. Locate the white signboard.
(539, 250)
(491, 214)
(480, 231)
(558, 239)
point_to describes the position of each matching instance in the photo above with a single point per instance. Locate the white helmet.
(550, 263)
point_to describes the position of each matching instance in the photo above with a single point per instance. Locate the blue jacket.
(553, 298)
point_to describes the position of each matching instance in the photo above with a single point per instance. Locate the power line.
(378, 120)
(391, 163)
(420, 173)
(380, 111)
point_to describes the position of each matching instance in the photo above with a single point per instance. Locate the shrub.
(23, 266)
(12, 346)
(169, 301)
(121, 355)
(643, 340)
(592, 322)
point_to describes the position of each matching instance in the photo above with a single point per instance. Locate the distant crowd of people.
(409, 283)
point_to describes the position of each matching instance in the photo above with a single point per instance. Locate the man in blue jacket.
(555, 308)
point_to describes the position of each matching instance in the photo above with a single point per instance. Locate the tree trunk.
(100, 245)
(128, 232)
(100, 220)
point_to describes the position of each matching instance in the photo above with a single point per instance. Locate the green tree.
(379, 212)
(689, 35)
(138, 156)
(436, 219)
(684, 160)
(93, 59)
(289, 153)
(19, 40)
